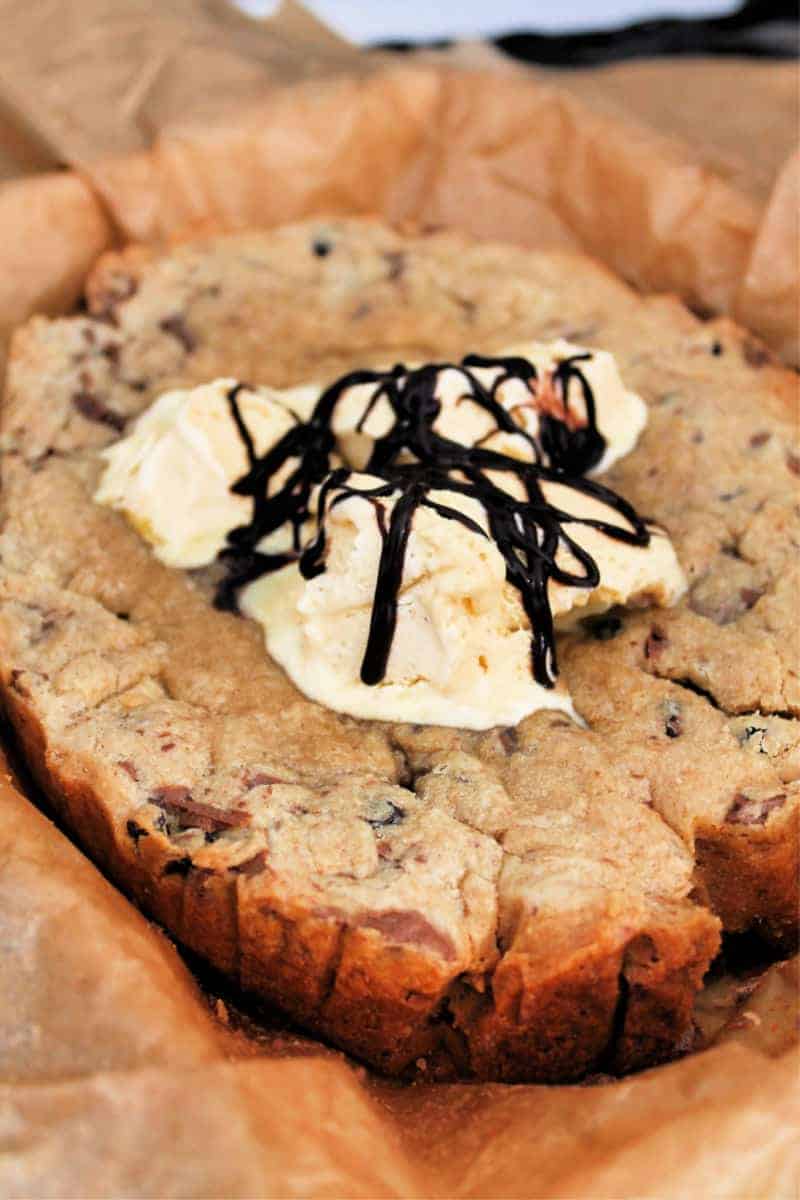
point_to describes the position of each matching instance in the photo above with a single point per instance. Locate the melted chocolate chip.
(135, 832)
(94, 409)
(128, 767)
(717, 349)
(178, 866)
(604, 627)
(752, 731)
(755, 354)
(176, 326)
(119, 288)
(415, 464)
(673, 722)
(509, 740)
(409, 928)
(750, 596)
(252, 866)
(321, 248)
(177, 802)
(396, 263)
(748, 810)
(111, 352)
(261, 779)
(384, 812)
(656, 641)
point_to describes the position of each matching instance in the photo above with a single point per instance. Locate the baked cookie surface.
(525, 903)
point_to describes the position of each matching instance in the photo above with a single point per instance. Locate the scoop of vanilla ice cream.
(171, 476)
(461, 652)
(363, 413)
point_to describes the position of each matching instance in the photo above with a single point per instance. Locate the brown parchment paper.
(119, 1076)
(191, 113)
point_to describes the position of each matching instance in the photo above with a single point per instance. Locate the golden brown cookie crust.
(520, 904)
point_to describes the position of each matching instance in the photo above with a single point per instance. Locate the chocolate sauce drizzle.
(415, 465)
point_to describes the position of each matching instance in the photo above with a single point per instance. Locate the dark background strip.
(760, 28)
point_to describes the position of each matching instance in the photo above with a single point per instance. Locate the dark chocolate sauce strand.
(239, 421)
(418, 468)
(383, 619)
(576, 450)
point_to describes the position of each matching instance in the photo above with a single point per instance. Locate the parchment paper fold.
(674, 173)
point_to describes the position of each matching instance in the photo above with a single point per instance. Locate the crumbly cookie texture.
(524, 903)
